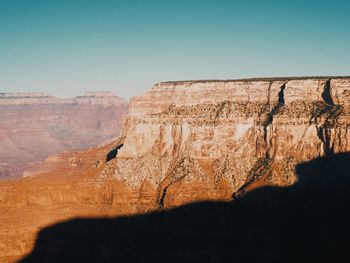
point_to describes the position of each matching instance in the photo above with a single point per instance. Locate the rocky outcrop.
(184, 142)
(203, 140)
(36, 125)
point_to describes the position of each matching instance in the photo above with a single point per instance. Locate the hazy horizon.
(66, 48)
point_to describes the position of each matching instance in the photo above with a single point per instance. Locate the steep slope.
(36, 125)
(203, 140)
(68, 190)
(184, 142)
(305, 222)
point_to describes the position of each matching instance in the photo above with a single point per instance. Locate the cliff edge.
(203, 140)
(184, 142)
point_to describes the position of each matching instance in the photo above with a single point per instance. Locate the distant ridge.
(7, 95)
(24, 94)
(98, 97)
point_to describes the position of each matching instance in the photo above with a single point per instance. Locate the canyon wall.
(203, 140)
(184, 142)
(36, 125)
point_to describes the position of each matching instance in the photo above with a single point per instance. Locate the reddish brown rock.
(184, 139)
(36, 125)
(184, 142)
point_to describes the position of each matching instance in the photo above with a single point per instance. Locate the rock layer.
(184, 142)
(70, 189)
(35, 125)
(204, 140)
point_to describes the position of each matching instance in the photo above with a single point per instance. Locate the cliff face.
(36, 125)
(184, 142)
(189, 141)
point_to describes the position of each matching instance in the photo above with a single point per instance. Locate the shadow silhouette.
(308, 221)
(113, 153)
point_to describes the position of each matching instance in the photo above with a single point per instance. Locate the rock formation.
(184, 142)
(203, 140)
(36, 125)
(68, 190)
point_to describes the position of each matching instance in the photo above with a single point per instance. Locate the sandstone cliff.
(184, 142)
(199, 140)
(35, 125)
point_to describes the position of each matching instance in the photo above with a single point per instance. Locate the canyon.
(184, 142)
(36, 125)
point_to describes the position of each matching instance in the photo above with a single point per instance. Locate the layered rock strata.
(36, 125)
(203, 140)
(184, 142)
(35, 98)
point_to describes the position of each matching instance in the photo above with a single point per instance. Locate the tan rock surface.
(242, 130)
(184, 142)
(36, 125)
(68, 190)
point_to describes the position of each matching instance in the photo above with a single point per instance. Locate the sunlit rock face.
(182, 142)
(198, 140)
(35, 125)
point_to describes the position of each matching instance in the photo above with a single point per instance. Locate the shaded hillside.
(306, 222)
(186, 143)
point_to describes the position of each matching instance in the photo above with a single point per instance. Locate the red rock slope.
(183, 142)
(36, 125)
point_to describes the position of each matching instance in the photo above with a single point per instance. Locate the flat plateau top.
(255, 79)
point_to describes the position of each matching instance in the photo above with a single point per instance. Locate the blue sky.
(66, 47)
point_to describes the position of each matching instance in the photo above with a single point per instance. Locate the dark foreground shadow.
(308, 222)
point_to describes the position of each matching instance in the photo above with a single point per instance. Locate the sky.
(67, 47)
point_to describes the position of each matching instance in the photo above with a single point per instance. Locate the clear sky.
(66, 47)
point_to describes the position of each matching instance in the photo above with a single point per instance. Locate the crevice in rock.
(113, 153)
(269, 118)
(261, 167)
(331, 112)
(326, 94)
(276, 108)
(162, 197)
(324, 131)
(281, 95)
(165, 189)
(169, 180)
